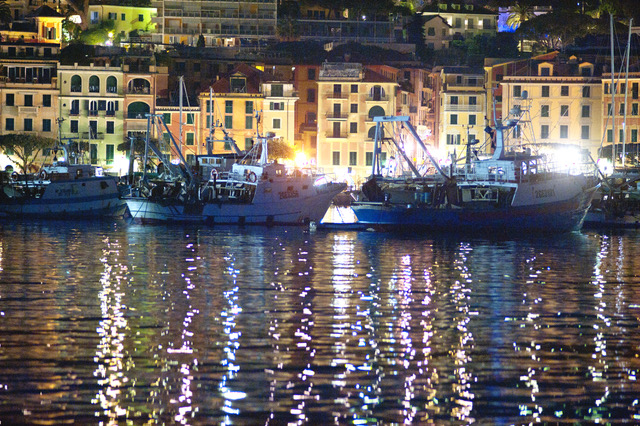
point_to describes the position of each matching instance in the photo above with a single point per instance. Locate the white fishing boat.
(61, 191)
(254, 191)
(513, 190)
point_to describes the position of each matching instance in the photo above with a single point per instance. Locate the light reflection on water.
(111, 322)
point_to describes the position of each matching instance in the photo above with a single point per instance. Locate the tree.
(5, 12)
(25, 147)
(520, 13)
(280, 149)
(558, 29)
(288, 29)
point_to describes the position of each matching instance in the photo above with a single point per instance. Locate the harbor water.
(114, 323)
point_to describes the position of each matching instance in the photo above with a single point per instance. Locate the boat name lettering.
(67, 191)
(288, 194)
(544, 193)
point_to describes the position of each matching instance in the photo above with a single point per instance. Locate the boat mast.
(180, 115)
(626, 97)
(612, 90)
(210, 141)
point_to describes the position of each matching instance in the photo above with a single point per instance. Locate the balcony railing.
(337, 116)
(74, 112)
(463, 108)
(336, 95)
(93, 112)
(92, 135)
(377, 98)
(336, 135)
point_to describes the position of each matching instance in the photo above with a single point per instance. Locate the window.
(140, 18)
(28, 100)
(545, 91)
(73, 126)
(564, 132)
(545, 71)
(166, 117)
(191, 138)
(248, 122)
(544, 111)
(621, 109)
(473, 100)
(606, 88)
(337, 88)
(46, 100)
(228, 107)
(336, 158)
(353, 127)
(564, 110)
(453, 139)
(431, 31)
(354, 108)
(123, 17)
(544, 132)
(585, 132)
(609, 109)
(276, 123)
(46, 125)
(609, 135)
(311, 73)
(454, 119)
(228, 121)
(8, 124)
(517, 91)
(110, 127)
(369, 159)
(248, 143)
(311, 95)
(110, 151)
(190, 118)
(586, 111)
(634, 135)
(112, 84)
(634, 109)
(28, 125)
(10, 99)
(93, 153)
(94, 84)
(354, 88)
(621, 135)
(586, 92)
(454, 100)
(472, 119)
(564, 90)
(276, 106)
(353, 158)
(277, 90)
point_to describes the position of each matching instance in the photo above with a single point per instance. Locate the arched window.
(94, 84)
(137, 110)
(372, 133)
(139, 86)
(377, 94)
(112, 84)
(376, 111)
(76, 83)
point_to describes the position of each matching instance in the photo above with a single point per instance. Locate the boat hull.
(90, 198)
(554, 215)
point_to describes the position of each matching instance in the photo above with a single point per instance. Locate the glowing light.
(605, 166)
(76, 19)
(301, 159)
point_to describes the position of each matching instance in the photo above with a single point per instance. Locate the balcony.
(74, 112)
(92, 135)
(336, 135)
(111, 113)
(93, 112)
(337, 116)
(336, 95)
(463, 108)
(377, 98)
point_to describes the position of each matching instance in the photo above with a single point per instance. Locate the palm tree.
(520, 13)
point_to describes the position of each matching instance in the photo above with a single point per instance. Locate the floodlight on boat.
(99, 171)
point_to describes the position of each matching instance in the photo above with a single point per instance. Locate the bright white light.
(76, 19)
(605, 166)
(301, 159)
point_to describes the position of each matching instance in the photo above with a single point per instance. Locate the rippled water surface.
(117, 323)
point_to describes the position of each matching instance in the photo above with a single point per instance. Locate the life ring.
(15, 176)
(43, 175)
(251, 177)
(214, 174)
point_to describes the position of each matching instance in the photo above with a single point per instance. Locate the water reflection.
(167, 325)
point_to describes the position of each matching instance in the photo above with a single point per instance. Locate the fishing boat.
(61, 190)
(513, 190)
(254, 190)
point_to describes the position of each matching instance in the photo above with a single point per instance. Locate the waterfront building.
(236, 98)
(29, 94)
(414, 100)
(221, 23)
(42, 25)
(20, 8)
(461, 109)
(306, 111)
(349, 96)
(279, 108)
(564, 100)
(126, 19)
(187, 135)
(91, 104)
(627, 116)
(437, 32)
(465, 19)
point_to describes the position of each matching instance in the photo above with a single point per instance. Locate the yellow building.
(236, 99)
(564, 103)
(349, 96)
(461, 112)
(465, 19)
(278, 114)
(125, 18)
(91, 103)
(43, 25)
